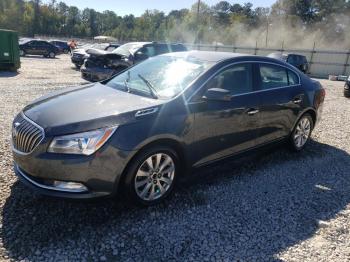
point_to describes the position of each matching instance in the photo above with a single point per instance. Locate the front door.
(223, 128)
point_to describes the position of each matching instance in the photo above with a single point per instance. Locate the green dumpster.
(9, 50)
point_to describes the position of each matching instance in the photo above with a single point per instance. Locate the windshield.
(125, 49)
(99, 46)
(166, 76)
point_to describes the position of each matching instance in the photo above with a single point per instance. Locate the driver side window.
(237, 79)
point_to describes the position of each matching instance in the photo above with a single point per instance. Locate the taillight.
(322, 94)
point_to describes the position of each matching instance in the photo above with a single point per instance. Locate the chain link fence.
(322, 62)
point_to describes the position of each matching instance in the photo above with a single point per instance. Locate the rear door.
(223, 128)
(281, 100)
(45, 48)
(31, 48)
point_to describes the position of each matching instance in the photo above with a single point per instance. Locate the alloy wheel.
(154, 177)
(302, 132)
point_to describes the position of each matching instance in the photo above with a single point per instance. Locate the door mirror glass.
(217, 94)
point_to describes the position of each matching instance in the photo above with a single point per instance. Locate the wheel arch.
(310, 111)
(172, 143)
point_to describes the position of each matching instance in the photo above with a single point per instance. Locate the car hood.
(87, 107)
(79, 51)
(96, 52)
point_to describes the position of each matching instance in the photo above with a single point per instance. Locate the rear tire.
(151, 176)
(22, 52)
(52, 55)
(301, 133)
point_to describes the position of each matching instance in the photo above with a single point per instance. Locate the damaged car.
(100, 66)
(79, 55)
(299, 61)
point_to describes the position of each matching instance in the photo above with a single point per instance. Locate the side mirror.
(217, 94)
(140, 56)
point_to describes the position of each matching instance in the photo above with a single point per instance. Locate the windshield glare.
(167, 75)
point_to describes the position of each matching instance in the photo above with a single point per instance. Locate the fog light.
(70, 186)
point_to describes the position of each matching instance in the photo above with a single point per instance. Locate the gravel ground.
(271, 206)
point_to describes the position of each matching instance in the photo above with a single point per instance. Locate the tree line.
(325, 21)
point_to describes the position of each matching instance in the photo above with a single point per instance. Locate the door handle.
(297, 100)
(252, 112)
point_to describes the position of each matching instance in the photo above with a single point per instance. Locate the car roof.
(209, 56)
(217, 57)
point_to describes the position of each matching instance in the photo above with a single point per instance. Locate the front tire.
(52, 55)
(152, 175)
(301, 133)
(22, 52)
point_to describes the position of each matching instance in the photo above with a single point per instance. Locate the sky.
(137, 7)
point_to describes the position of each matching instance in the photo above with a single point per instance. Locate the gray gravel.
(270, 206)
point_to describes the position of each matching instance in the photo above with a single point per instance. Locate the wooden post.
(346, 62)
(256, 48)
(312, 57)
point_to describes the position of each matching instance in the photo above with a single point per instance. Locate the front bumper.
(77, 60)
(100, 173)
(96, 74)
(41, 188)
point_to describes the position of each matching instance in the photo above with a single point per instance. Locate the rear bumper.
(347, 89)
(77, 61)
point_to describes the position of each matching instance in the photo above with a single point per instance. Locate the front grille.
(26, 135)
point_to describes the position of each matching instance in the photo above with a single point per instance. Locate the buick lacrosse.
(141, 130)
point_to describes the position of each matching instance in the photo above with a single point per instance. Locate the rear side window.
(237, 79)
(293, 78)
(293, 59)
(273, 76)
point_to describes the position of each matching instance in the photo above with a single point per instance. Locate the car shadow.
(39, 57)
(8, 73)
(249, 208)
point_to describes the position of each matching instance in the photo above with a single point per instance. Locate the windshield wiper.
(126, 83)
(152, 90)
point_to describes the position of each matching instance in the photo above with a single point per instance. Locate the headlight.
(85, 143)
